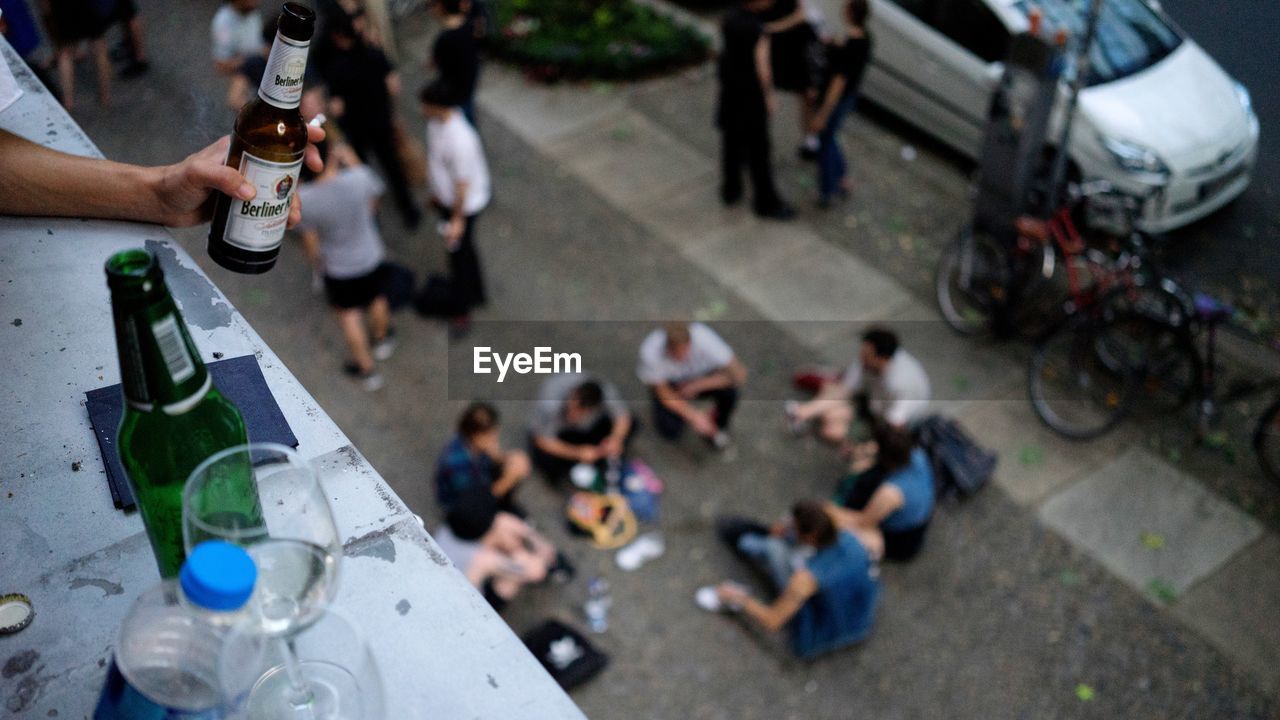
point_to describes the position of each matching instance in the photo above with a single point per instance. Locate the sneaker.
(781, 212)
(386, 347)
(721, 440)
(371, 381)
(797, 426)
(649, 546)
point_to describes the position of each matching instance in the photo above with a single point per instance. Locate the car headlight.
(1135, 158)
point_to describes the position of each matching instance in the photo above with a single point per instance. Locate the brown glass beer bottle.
(266, 147)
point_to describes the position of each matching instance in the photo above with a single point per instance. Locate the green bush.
(601, 39)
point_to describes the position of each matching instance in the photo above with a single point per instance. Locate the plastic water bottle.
(613, 476)
(597, 606)
(184, 652)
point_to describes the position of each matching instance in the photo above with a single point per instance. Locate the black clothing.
(671, 425)
(456, 55)
(789, 51)
(466, 280)
(557, 468)
(850, 62)
(899, 546)
(356, 292)
(742, 116)
(252, 69)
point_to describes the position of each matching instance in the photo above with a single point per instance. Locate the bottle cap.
(297, 22)
(15, 613)
(218, 575)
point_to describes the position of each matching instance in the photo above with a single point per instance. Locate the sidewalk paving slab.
(542, 117)
(1238, 609)
(1150, 524)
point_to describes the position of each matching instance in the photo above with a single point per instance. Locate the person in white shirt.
(458, 178)
(684, 362)
(237, 35)
(893, 383)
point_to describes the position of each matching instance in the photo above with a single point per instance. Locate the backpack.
(960, 466)
(565, 653)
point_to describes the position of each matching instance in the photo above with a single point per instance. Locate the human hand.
(517, 464)
(453, 233)
(183, 192)
(733, 595)
(780, 528)
(771, 102)
(689, 390)
(610, 447)
(703, 424)
(588, 455)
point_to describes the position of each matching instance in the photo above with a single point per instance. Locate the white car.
(1158, 118)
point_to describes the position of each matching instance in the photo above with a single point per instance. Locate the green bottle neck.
(160, 367)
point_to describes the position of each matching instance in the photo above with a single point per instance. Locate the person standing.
(458, 176)
(341, 237)
(684, 362)
(365, 85)
(70, 23)
(236, 31)
(125, 12)
(846, 64)
(456, 54)
(742, 114)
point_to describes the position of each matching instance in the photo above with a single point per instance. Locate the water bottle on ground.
(613, 476)
(597, 606)
(186, 651)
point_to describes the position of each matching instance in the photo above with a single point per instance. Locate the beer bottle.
(266, 147)
(174, 417)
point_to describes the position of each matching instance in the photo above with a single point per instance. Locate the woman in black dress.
(793, 57)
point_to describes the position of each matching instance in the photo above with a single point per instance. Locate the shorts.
(355, 292)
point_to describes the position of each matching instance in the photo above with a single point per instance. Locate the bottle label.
(282, 82)
(259, 224)
(173, 348)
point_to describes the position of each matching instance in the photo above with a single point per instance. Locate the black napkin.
(240, 380)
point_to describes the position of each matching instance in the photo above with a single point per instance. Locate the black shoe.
(134, 69)
(413, 219)
(781, 212)
(492, 597)
(807, 154)
(562, 571)
(730, 198)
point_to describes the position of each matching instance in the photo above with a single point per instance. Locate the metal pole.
(1073, 98)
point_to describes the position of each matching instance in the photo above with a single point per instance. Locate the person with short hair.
(237, 35)
(578, 418)
(686, 362)
(458, 176)
(456, 54)
(888, 383)
(341, 237)
(826, 581)
(889, 490)
(474, 457)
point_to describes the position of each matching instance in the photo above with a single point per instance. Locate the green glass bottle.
(174, 417)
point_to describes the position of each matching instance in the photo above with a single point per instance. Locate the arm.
(556, 447)
(311, 245)
(38, 181)
(731, 375)
(457, 217)
(834, 92)
(612, 445)
(238, 92)
(774, 616)
(764, 69)
(515, 467)
(783, 24)
(393, 84)
(886, 500)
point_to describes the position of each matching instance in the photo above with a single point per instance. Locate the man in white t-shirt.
(684, 362)
(237, 35)
(458, 177)
(893, 382)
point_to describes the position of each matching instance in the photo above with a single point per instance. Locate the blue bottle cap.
(218, 575)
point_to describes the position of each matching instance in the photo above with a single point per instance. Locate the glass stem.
(300, 695)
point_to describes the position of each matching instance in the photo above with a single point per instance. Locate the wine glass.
(267, 499)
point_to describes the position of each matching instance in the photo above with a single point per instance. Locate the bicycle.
(1088, 376)
(988, 284)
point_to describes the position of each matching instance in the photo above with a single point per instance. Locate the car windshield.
(1131, 36)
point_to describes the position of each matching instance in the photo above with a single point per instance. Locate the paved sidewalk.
(1153, 526)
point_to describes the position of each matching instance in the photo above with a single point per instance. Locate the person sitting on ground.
(474, 457)
(341, 237)
(498, 552)
(826, 580)
(682, 362)
(237, 35)
(889, 488)
(577, 419)
(888, 384)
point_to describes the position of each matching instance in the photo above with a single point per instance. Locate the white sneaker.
(797, 426)
(386, 347)
(721, 440)
(649, 546)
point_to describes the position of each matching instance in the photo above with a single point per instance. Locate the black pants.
(466, 281)
(556, 468)
(744, 132)
(671, 425)
(855, 493)
(376, 139)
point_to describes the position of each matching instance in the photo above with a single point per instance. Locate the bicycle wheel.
(970, 282)
(1147, 335)
(1266, 441)
(1076, 390)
